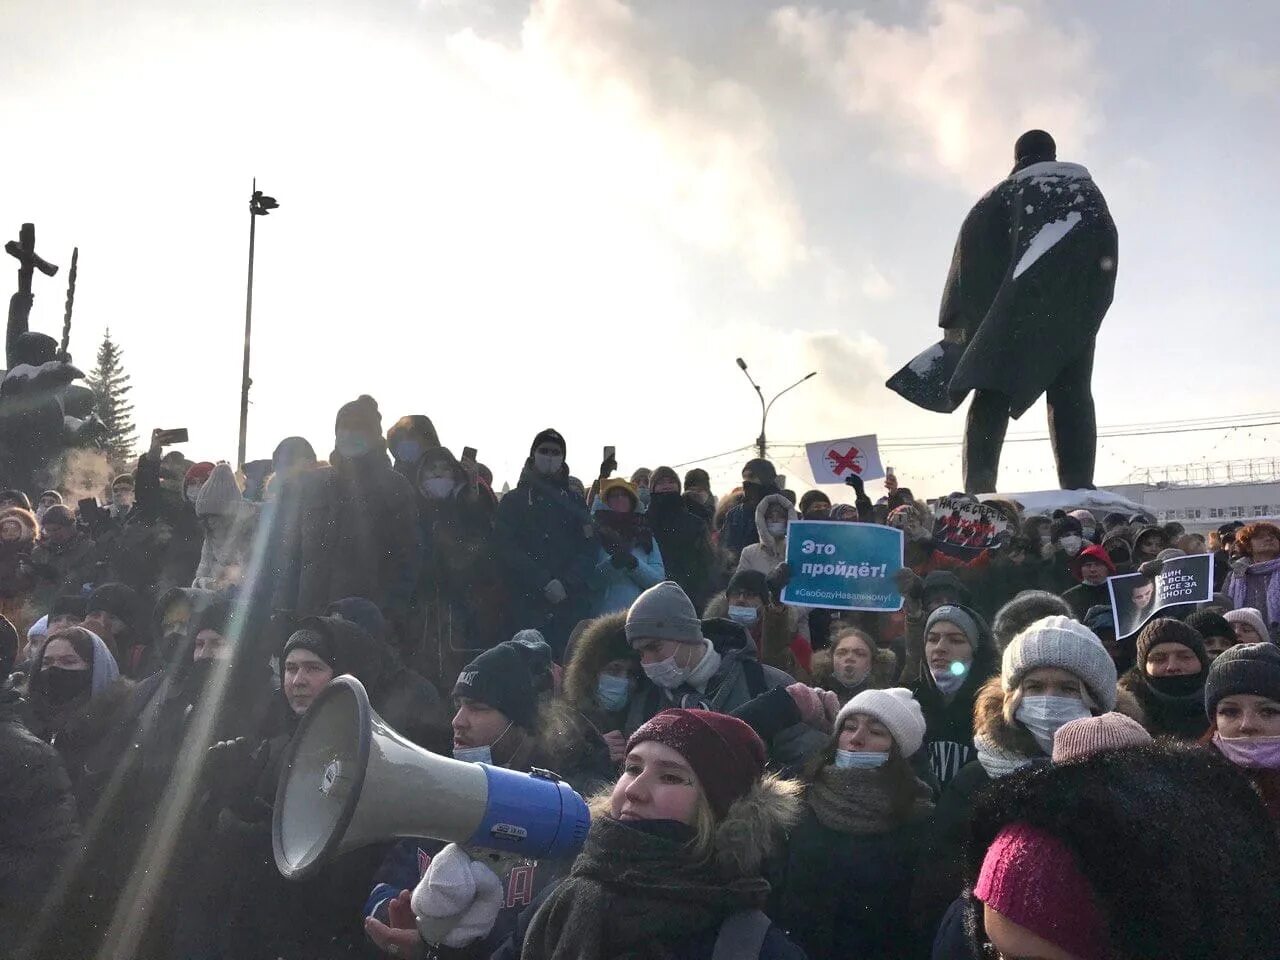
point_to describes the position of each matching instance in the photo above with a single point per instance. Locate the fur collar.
(988, 718)
(603, 639)
(883, 668)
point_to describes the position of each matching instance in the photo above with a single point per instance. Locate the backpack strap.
(753, 672)
(741, 936)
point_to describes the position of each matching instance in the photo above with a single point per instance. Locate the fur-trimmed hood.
(771, 543)
(753, 831)
(884, 669)
(989, 719)
(603, 639)
(1177, 891)
(30, 526)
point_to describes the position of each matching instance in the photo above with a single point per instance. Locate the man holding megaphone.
(461, 904)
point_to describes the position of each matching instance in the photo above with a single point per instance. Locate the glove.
(909, 585)
(818, 708)
(457, 901)
(855, 481)
(233, 768)
(1151, 568)
(555, 592)
(778, 578)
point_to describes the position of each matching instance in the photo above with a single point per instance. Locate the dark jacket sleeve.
(508, 544)
(405, 548)
(770, 713)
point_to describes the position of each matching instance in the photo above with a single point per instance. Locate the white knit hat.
(220, 494)
(1067, 644)
(896, 708)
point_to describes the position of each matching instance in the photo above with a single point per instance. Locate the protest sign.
(843, 566)
(963, 523)
(1136, 599)
(832, 461)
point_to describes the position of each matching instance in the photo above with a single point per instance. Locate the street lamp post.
(762, 445)
(259, 206)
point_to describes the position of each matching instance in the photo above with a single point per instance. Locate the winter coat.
(1025, 295)
(687, 554)
(1135, 820)
(64, 569)
(614, 587)
(542, 533)
(38, 827)
(229, 523)
(777, 635)
(884, 673)
(740, 677)
(1165, 716)
(1257, 585)
(769, 551)
(355, 535)
(738, 528)
(18, 580)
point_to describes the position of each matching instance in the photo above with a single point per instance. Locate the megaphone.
(349, 780)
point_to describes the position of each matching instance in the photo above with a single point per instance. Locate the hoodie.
(1083, 595)
(228, 521)
(770, 550)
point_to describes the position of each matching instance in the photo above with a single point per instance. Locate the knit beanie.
(1084, 516)
(1068, 645)
(1023, 610)
(896, 708)
(725, 753)
(363, 613)
(548, 436)
(114, 598)
(943, 581)
(220, 495)
(958, 616)
(1170, 553)
(292, 451)
(1245, 668)
(314, 641)
(751, 582)
(1089, 735)
(1164, 630)
(124, 480)
(501, 677)
(1064, 526)
(617, 483)
(1031, 877)
(765, 472)
(58, 516)
(362, 414)
(1251, 616)
(697, 479)
(198, 473)
(1209, 624)
(663, 612)
(1100, 620)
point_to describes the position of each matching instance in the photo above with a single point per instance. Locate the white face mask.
(666, 673)
(776, 528)
(1071, 543)
(547, 464)
(474, 754)
(1042, 716)
(744, 615)
(860, 759)
(949, 681)
(437, 487)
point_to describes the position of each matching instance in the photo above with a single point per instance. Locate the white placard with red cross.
(832, 461)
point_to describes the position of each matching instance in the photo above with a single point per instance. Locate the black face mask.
(752, 492)
(197, 677)
(62, 685)
(1177, 686)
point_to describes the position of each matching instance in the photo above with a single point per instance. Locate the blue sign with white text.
(843, 566)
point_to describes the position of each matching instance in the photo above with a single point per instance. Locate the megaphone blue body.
(349, 780)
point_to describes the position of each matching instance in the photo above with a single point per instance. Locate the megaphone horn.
(349, 780)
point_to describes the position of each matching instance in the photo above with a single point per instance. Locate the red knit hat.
(1031, 877)
(725, 753)
(199, 473)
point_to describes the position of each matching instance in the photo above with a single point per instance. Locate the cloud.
(610, 111)
(875, 285)
(952, 93)
(1245, 72)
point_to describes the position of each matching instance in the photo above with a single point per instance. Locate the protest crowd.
(1050, 735)
(991, 760)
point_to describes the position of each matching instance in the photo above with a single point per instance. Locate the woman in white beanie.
(851, 860)
(1053, 672)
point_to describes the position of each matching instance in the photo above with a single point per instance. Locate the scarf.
(858, 801)
(998, 761)
(1238, 588)
(629, 883)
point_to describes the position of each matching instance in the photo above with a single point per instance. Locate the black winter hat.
(68, 604)
(1065, 526)
(1165, 630)
(944, 582)
(502, 678)
(764, 471)
(361, 412)
(1209, 624)
(697, 478)
(549, 436)
(116, 599)
(1100, 620)
(751, 582)
(1246, 668)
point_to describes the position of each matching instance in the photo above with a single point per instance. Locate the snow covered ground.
(1046, 501)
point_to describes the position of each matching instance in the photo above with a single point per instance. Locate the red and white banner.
(832, 461)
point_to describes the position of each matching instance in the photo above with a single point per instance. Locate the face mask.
(947, 681)
(613, 693)
(776, 529)
(197, 677)
(1255, 753)
(1042, 716)
(1181, 686)
(752, 492)
(407, 451)
(744, 615)
(665, 673)
(860, 759)
(547, 464)
(352, 443)
(1071, 544)
(644, 493)
(62, 685)
(474, 754)
(437, 487)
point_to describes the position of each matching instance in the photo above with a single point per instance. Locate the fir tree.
(110, 385)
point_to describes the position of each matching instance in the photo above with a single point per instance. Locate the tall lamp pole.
(259, 206)
(762, 444)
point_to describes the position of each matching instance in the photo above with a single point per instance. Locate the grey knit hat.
(663, 612)
(1246, 668)
(1067, 644)
(896, 708)
(1251, 616)
(960, 617)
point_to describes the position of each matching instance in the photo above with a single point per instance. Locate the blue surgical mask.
(744, 615)
(860, 759)
(437, 488)
(474, 754)
(407, 451)
(1044, 715)
(613, 693)
(352, 443)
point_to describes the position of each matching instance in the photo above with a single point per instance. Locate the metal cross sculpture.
(24, 250)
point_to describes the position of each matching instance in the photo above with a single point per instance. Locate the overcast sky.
(578, 212)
